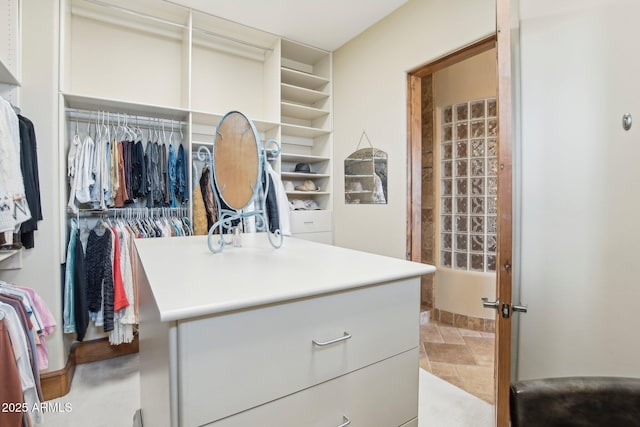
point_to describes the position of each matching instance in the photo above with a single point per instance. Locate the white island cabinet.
(305, 335)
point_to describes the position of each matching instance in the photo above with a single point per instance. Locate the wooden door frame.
(414, 136)
(501, 41)
(504, 262)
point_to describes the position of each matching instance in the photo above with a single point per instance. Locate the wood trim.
(96, 350)
(501, 41)
(414, 168)
(460, 55)
(414, 137)
(504, 222)
(58, 383)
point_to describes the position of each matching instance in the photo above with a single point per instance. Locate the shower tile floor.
(462, 357)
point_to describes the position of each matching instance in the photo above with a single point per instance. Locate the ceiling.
(326, 24)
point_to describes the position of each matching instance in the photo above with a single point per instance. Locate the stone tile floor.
(460, 356)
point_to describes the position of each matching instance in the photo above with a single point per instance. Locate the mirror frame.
(236, 157)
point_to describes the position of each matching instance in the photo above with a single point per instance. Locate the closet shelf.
(302, 95)
(307, 193)
(302, 111)
(6, 76)
(298, 175)
(108, 104)
(303, 131)
(302, 158)
(301, 53)
(10, 259)
(302, 79)
(212, 119)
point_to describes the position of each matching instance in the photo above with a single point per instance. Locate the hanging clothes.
(11, 387)
(199, 213)
(281, 200)
(21, 354)
(24, 322)
(30, 175)
(100, 278)
(85, 176)
(75, 312)
(96, 194)
(14, 209)
(121, 194)
(171, 173)
(182, 190)
(114, 160)
(207, 194)
(164, 170)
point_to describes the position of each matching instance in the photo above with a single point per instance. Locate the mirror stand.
(229, 218)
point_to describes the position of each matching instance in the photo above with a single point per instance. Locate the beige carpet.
(444, 405)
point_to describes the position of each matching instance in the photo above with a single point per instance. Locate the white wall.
(39, 102)
(459, 291)
(370, 85)
(580, 241)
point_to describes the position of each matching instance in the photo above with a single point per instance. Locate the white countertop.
(187, 280)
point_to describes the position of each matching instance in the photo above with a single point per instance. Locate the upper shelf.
(132, 108)
(6, 76)
(212, 119)
(302, 79)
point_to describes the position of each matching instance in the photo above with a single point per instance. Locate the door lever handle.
(520, 308)
(493, 304)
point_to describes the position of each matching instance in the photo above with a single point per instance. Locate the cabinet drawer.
(310, 221)
(232, 362)
(381, 395)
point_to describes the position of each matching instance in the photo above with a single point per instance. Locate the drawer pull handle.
(308, 222)
(346, 336)
(346, 422)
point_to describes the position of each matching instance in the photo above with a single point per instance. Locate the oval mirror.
(236, 165)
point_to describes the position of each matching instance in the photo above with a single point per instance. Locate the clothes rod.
(175, 24)
(115, 118)
(231, 39)
(118, 212)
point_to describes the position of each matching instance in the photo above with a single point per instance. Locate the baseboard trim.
(58, 383)
(464, 321)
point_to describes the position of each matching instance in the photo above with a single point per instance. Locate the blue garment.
(107, 183)
(68, 314)
(181, 175)
(171, 170)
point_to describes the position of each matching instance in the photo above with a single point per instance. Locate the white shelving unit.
(307, 124)
(9, 84)
(10, 56)
(195, 68)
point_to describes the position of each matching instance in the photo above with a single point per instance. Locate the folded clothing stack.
(299, 205)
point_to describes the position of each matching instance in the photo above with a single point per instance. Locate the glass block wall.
(468, 186)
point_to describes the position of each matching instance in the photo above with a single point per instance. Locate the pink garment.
(48, 324)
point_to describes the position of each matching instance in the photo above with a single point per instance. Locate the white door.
(580, 236)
